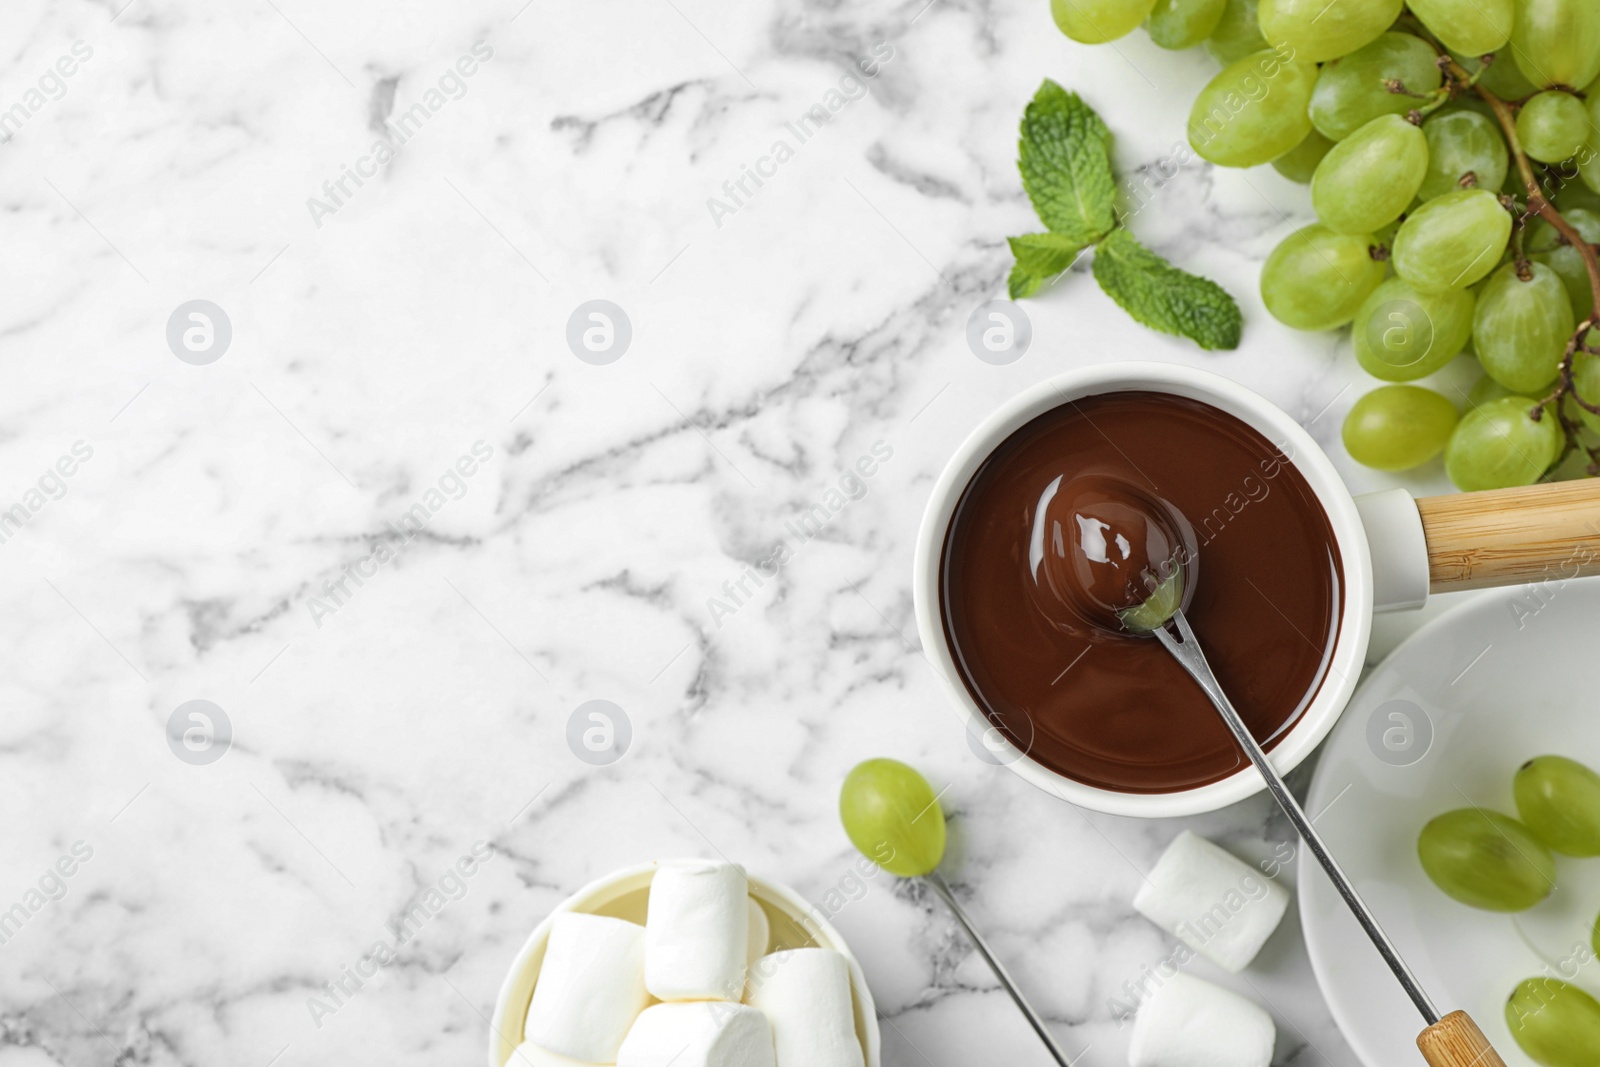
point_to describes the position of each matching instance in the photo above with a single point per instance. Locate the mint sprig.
(1163, 297)
(1064, 154)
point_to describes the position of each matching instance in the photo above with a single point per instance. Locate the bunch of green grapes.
(1424, 244)
(1488, 860)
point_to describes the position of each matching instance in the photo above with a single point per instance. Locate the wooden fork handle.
(1456, 1041)
(1510, 536)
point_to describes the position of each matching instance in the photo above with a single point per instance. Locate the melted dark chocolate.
(1113, 710)
(1101, 546)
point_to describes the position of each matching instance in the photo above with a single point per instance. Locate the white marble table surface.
(202, 547)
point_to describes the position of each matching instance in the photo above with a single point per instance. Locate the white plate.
(1506, 676)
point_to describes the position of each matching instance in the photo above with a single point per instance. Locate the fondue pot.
(1394, 550)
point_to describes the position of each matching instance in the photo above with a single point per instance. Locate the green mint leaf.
(1163, 297)
(1064, 153)
(1040, 257)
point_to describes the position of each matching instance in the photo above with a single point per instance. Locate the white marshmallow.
(590, 988)
(805, 994)
(698, 1034)
(760, 935)
(528, 1054)
(1218, 905)
(1192, 1023)
(697, 929)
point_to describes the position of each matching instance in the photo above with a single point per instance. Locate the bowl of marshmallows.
(687, 963)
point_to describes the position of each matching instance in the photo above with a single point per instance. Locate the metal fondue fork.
(1454, 1039)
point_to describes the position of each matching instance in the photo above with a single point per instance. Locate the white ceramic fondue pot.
(1395, 550)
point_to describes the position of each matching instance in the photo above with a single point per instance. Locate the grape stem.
(1539, 204)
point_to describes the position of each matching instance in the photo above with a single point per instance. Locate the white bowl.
(622, 895)
(1355, 621)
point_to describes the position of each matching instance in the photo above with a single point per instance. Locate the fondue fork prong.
(939, 887)
(1185, 648)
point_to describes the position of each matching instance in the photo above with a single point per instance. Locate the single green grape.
(1486, 391)
(1300, 162)
(1589, 165)
(892, 816)
(1180, 24)
(1558, 800)
(1353, 90)
(1486, 860)
(1366, 180)
(1099, 21)
(1586, 383)
(1397, 427)
(1498, 445)
(1522, 326)
(1253, 111)
(1588, 160)
(1557, 42)
(1452, 240)
(1553, 126)
(1543, 244)
(1401, 334)
(1238, 34)
(1556, 1024)
(1465, 150)
(1475, 27)
(1318, 30)
(1317, 279)
(1156, 610)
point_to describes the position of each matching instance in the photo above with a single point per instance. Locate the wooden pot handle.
(1511, 536)
(1456, 1041)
